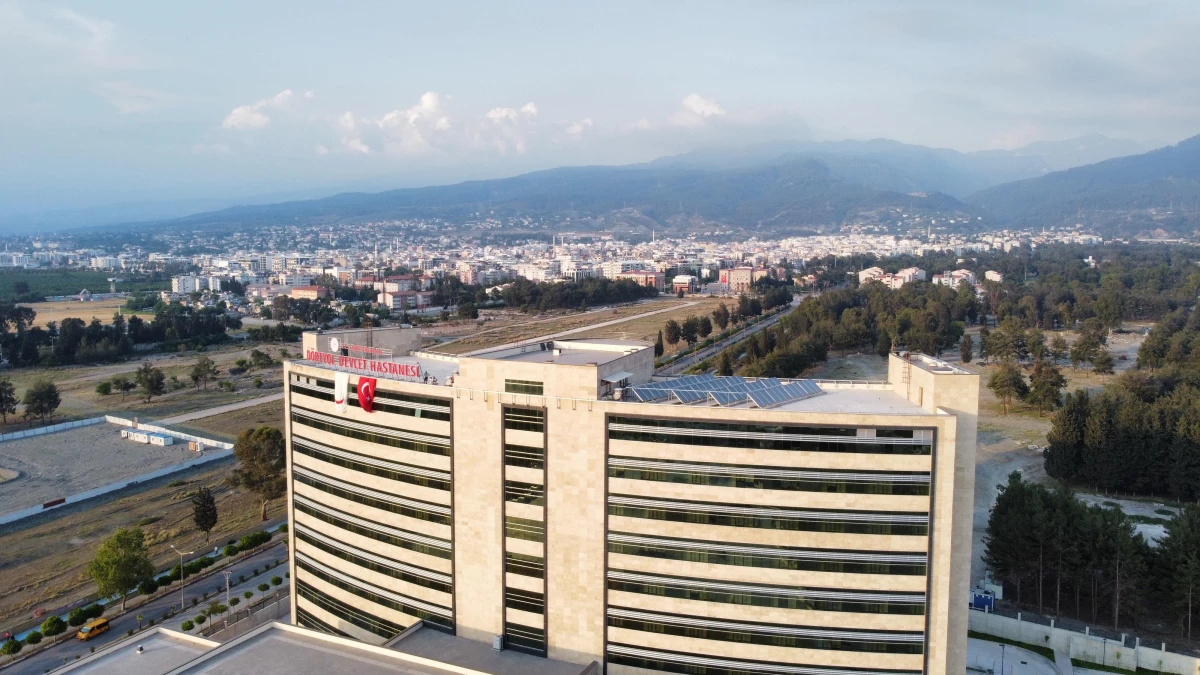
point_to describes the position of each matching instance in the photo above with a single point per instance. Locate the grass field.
(43, 283)
(65, 309)
(45, 565)
(516, 331)
(646, 328)
(227, 426)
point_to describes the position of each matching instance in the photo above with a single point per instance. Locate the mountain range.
(802, 186)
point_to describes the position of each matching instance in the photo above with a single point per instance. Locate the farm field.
(63, 281)
(59, 310)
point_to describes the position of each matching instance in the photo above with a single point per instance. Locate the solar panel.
(689, 396)
(727, 397)
(727, 390)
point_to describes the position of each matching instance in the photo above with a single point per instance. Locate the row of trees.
(531, 296)
(1057, 552)
(41, 399)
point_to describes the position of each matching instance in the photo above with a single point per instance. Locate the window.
(418, 406)
(439, 619)
(307, 620)
(394, 536)
(524, 493)
(761, 436)
(523, 419)
(809, 520)
(523, 387)
(525, 565)
(406, 507)
(771, 478)
(526, 601)
(524, 455)
(345, 612)
(524, 528)
(692, 664)
(434, 445)
(525, 639)
(398, 471)
(392, 568)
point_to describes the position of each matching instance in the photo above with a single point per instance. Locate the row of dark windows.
(525, 639)
(524, 528)
(524, 419)
(766, 560)
(747, 634)
(763, 598)
(523, 387)
(372, 469)
(756, 428)
(379, 438)
(769, 444)
(341, 610)
(524, 455)
(396, 396)
(525, 565)
(526, 601)
(767, 482)
(380, 405)
(417, 547)
(390, 570)
(683, 665)
(402, 509)
(430, 618)
(695, 514)
(524, 493)
(307, 620)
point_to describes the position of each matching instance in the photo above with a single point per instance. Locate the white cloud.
(694, 110)
(321, 150)
(525, 113)
(576, 129)
(412, 131)
(131, 99)
(252, 116)
(351, 133)
(310, 94)
(637, 125)
(530, 109)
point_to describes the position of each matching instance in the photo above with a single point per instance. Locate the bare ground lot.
(65, 309)
(43, 564)
(68, 462)
(226, 426)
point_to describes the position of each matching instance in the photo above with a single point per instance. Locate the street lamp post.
(228, 607)
(181, 573)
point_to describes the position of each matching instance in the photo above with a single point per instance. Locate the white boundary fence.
(1089, 648)
(220, 450)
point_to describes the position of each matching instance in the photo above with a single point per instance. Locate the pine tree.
(673, 331)
(1007, 383)
(966, 348)
(204, 511)
(8, 399)
(1045, 386)
(1102, 362)
(724, 364)
(658, 345)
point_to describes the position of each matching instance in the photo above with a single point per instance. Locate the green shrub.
(230, 550)
(77, 617)
(275, 581)
(104, 388)
(200, 619)
(187, 625)
(53, 625)
(10, 647)
(264, 588)
(248, 594)
(283, 528)
(33, 638)
(253, 540)
(257, 383)
(148, 587)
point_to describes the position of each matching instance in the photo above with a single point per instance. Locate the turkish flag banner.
(366, 393)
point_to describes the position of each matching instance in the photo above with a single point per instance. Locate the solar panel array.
(724, 391)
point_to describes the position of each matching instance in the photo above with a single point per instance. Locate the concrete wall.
(400, 340)
(1088, 648)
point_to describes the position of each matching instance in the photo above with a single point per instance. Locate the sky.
(110, 102)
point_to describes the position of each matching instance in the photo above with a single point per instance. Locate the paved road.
(680, 365)
(69, 647)
(209, 412)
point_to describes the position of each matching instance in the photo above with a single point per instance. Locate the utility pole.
(182, 572)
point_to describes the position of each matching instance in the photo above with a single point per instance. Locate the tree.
(966, 348)
(121, 563)
(260, 453)
(122, 384)
(1102, 362)
(1007, 383)
(984, 341)
(720, 316)
(690, 330)
(1006, 541)
(53, 625)
(883, 345)
(1084, 349)
(151, 381)
(8, 399)
(1045, 386)
(1180, 553)
(673, 331)
(1059, 348)
(204, 370)
(204, 511)
(706, 327)
(10, 648)
(658, 345)
(41, 399)
(724, 364)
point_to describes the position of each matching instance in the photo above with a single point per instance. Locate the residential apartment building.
(309, 292)
(554, 499)
(650, 279)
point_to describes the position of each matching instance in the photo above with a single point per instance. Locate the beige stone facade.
(541, 494)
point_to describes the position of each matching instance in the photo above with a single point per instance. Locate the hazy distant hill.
(1126, 195)
(789, 193)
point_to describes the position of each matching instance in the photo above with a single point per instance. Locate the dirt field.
(66, 309)
(45, 565)
(517, 327)
(68, 462)
(227, 426)
(646, 328)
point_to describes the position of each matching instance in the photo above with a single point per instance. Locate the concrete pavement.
(69, 648)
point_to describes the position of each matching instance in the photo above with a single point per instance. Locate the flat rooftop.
(770, 394)
(465, 653)
(581, 352)
(162, 651)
